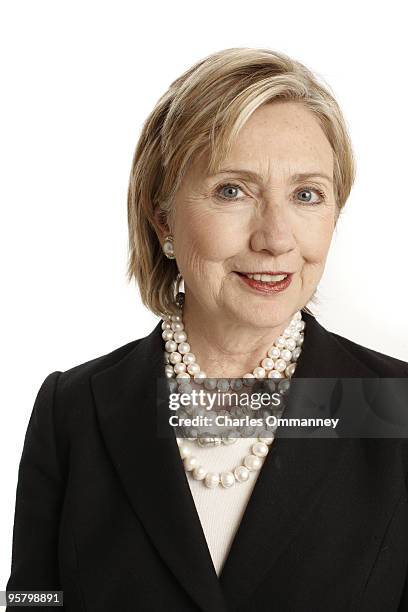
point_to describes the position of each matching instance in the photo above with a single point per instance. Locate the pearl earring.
(168, 247)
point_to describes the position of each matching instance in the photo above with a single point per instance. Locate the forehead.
(279, 139)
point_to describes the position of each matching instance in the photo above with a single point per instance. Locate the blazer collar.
(153, 476)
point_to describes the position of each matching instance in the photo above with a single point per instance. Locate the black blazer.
(104, 511)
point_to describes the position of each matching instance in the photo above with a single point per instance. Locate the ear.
(161, 227)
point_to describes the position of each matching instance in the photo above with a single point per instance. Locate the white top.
(221, 510)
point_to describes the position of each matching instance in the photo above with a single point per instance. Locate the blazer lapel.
(151, 469)
(291, 477)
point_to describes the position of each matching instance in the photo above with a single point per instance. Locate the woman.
(237, 183)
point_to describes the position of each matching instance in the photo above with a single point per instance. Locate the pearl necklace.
(181, 363)
(181, 366)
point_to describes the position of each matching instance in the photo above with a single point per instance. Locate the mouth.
(266, 282)
(267, 277)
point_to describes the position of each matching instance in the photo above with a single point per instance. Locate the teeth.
(268, 278)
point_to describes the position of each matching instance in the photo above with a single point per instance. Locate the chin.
(265, 316)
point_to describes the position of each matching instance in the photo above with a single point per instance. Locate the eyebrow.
(295, 178)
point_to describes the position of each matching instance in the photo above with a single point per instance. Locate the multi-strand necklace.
(182, 369)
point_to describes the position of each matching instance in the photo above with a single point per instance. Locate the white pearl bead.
(175, 317)
(170, 346)
(280, 342)
(199, 377)
(299, 341)
(185, 450)
(280, 365)
(298, 325)
(259, 372)
(190, 463)
(179, 336)
(274, 353)
(189, 358)
(180, 367)
(290, 344)
(260, 449)
(266, 439)
(167, 334)
(177, 326)
(249, 379)
(212, 480)
(165, 325)
(297, 315)
(248, 431)
(274, 374)
(175, 357)
(227, 479)
(241, 473)
(223, 384)
(182, 375)
(290, 370)
(172, 384)
(284, 384)
(272, 429)
(210, 383)
(236, 384)
(267, 363)
(252, 462)
(168, 369)
(296, 335)
(184, 348)
(204, 442)
(185, 387)
(286, 355)
(228, 438)
(296, 353)
(166, 357)
(199, 473)
(193, 368)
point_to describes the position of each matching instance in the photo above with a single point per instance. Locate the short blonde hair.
(203, 110)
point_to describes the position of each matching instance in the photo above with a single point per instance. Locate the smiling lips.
(266, 276)
(266, 282)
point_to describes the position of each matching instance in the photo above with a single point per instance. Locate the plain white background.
(78, 79)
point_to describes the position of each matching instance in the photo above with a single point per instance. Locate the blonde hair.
(203, 110)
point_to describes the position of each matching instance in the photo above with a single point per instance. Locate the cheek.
(208, 238)
(314, 239)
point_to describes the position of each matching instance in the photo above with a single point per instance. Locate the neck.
(226, 348)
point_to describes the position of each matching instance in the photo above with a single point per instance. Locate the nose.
(273, 231)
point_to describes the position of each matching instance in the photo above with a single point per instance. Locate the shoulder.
(381, 364)
(84, 370)
(78, 376)
(328, 354)
(75, 383)
(67, 395)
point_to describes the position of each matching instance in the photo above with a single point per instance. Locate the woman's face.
(258, 215)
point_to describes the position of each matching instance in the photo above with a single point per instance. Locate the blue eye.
(229, 190)
(310, 190)
(308, 193)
